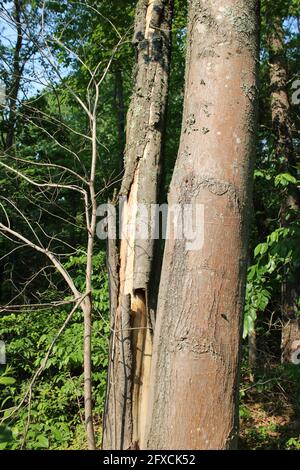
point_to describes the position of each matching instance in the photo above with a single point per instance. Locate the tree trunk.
(131, 340)
(120, 110)
(252, 353)
(195, 366)
(282, 128)
(87, 354)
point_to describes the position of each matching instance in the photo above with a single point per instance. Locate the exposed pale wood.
(127, 394)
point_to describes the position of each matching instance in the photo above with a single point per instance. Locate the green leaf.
(261, 249)
(7, 380)
(248, 325)
(284, 179)
(57, 434)
(42, 442)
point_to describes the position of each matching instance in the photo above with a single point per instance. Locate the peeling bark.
(282, 128)
(131, 341)
(195, 364)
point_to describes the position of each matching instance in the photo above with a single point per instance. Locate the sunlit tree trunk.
(284, 147)
(195, 365)
(131, 340)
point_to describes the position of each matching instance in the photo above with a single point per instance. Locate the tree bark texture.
(195, 365)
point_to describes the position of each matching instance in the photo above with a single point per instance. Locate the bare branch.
(49, 254)
(42, 185)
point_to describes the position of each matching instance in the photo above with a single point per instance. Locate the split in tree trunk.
(131, 339)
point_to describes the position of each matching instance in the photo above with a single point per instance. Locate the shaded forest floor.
(270, 408)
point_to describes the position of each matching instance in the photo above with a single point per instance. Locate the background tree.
(285, 152)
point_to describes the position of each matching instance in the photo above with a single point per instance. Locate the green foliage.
(57, 398)
(6, 437)
(52, 129)
(274, 260)
(285, 179)
(5, 379)
(293, 443)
